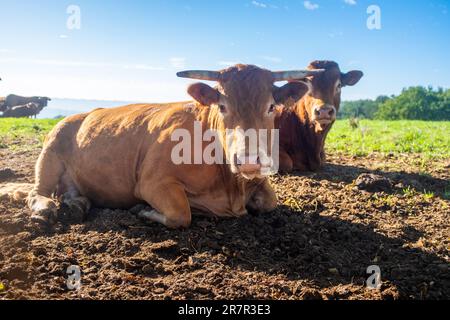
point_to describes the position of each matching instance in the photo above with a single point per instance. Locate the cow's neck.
(306, 129)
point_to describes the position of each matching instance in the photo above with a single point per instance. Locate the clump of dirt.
(317, 244)
(373, 183)
(6, 174)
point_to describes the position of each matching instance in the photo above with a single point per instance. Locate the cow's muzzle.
(251, 167)
(324, 115)
(247, 163)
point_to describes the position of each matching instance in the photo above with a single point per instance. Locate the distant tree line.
(414, 103)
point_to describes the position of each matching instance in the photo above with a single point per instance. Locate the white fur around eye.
(338, 87)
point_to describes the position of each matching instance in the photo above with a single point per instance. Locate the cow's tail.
(15, 192)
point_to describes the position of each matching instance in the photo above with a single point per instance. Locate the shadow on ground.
(420, 183)
(324, 251)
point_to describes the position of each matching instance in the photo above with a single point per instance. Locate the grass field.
(430, 139)
(19, 129)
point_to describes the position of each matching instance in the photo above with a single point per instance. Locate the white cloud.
(142, 67)
(63, 36)
(259, 4)
(264, 5)
(178, 62)
(78, 64)
(350, 2)
(310, 6)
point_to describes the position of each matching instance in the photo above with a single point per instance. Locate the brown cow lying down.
(121, 157)
(29, 110)
(304, 127)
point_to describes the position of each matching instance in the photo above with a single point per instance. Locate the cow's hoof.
(45, 217)
(45, 210)
(155, 216)
(79, 207)
(152, 216)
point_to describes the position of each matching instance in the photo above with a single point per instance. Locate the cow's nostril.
(331, 112)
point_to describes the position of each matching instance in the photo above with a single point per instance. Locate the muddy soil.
(318, 244)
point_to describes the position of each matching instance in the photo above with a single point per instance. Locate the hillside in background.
(414, 103)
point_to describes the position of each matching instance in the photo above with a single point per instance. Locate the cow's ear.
(351, 78)
(293, 90)
(204, 94)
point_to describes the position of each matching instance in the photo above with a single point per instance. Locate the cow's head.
(43, 101)
(324, 98)
(244, 103)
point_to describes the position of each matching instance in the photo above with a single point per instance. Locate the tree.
(417, 103)
(414, 103)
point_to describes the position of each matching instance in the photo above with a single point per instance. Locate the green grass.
(430, 139)
(11, 127)
(23, 129)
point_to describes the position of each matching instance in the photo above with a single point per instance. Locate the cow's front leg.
(263, 199)
(323, 157)
(315, 162)
(79, 206)
(170, 206)
(286, 163)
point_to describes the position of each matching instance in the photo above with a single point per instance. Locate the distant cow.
(29, 110)
(13, 100)
(120, 157)
(304, 127)
(2, 104)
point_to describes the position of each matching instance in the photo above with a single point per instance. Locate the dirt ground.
(316, 245)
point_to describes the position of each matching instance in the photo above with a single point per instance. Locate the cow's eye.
(222, 108)
(272, 108)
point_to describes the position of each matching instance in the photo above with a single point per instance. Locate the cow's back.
(15, 100)
(103, 150)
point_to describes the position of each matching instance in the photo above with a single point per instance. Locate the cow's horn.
(200, 75)
(295, 74)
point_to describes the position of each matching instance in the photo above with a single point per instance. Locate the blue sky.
(131, 50)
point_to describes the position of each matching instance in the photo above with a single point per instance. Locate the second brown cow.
(304, 127)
